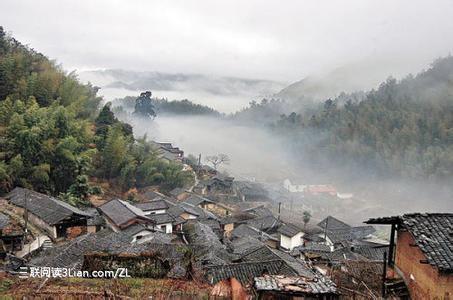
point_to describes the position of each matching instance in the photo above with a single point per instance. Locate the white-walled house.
(290, 236)
(154, 207)
(293, 188)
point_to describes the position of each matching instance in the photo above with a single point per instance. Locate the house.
(188, 211)
(320, 190)
(293, 188)
(423, 255)
(245, 272)
(121, 214)
(57, 218)
(217, 208)
(132, 242)
(166, 222)
(295, 287)
(168, 152)
(266, 253)
(290, 236)
(245, 230)
(230, 222)
(335, 232)
(154, 207)
(96, 222)
(220, 184)
(268, 224)
(251, 191)
(11, 235)
(151, 195)
(179, 194)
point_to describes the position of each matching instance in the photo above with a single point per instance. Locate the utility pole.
(384, 275)
(26, 194)
(325, 229)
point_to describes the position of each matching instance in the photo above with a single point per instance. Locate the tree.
(306, 216)
(144, 105)
(217, 160)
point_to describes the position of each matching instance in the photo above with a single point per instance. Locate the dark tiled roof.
(344, 254)
(121, 212)
(158, 204)
(313, 248)
(245, 230)
(48, 209)
(333, 223)
(196, 211)
(374, 253)
(95, 218)
(151, 195)
(433, 234)
(259, 211)
(162, 218)
(349, 234)
(251, 189)
(4, 220)
(177, 191)
(70, 254)
(296, 285)
(245, 272)
(237, 218)
(264, 223)
(289, 230)
(245, 245)
(196, 200)
(268, 253)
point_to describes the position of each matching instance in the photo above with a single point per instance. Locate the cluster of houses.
(242, 252)
(314, 190)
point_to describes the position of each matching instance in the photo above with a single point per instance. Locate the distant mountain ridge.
(159, 81)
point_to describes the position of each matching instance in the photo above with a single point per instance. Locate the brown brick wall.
(428, 283)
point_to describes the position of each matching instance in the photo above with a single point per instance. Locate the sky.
(276, 40)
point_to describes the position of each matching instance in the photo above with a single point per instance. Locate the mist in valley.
(259, 155)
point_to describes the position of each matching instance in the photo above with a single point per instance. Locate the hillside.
(54, 139)
(348, 78)
(404, 127)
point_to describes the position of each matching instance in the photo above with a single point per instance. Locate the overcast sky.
(280, 40)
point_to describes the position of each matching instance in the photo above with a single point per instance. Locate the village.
(228, 236)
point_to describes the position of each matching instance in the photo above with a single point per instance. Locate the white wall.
(293, 188)
(169, 228)
(140, 234)
(155, 212)
(290, 243)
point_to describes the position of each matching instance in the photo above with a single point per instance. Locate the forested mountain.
(53, 138)
(403, 127)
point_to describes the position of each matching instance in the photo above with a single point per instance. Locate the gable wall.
(428, 283)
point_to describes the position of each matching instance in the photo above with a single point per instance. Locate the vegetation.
(403, 128)
(53, 137)
(144, 105)
(164, 106)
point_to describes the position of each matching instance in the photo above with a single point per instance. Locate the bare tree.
(217, 160)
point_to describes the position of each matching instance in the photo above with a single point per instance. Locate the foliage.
(144, 105)
(53, 138)
(403, 128)
(166, 107)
